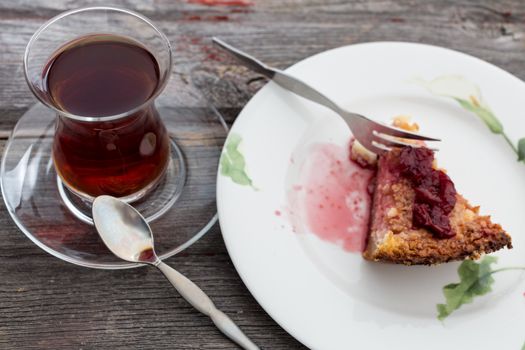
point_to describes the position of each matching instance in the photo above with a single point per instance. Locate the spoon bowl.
(123, 230)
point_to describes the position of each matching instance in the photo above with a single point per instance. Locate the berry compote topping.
(435, 192)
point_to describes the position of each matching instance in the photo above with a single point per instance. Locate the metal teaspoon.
(127, 234)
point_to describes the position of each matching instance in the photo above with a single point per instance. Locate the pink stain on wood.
(198, 18)
(209, 52)
(222, 2)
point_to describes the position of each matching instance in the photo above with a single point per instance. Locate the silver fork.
(375, 136)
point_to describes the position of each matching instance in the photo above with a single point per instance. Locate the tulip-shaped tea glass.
(98, 72)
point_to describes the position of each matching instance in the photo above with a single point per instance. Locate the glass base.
(152, 202)
(181, 209)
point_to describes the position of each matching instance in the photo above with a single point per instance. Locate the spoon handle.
(199, 300)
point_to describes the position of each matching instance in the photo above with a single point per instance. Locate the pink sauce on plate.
(332, 199)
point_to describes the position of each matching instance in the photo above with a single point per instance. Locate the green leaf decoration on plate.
(475, 280)
(521, 152)
(232, 162)
(484, 113)
(468, 95)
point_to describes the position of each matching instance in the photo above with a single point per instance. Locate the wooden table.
(49, 304)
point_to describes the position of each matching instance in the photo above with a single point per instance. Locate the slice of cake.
(418, 218)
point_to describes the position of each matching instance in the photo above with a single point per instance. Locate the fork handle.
(283, 79)
(302, 89)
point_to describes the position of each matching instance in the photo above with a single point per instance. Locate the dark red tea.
(97, 76)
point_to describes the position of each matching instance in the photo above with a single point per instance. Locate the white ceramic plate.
(326, 296)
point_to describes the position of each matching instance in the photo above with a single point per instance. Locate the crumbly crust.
(403, 122)
(362, 156)
(392, 238)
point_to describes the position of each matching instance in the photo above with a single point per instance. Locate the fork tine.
(381, 147)
(391, 141)
(391, 131)
(374, 146)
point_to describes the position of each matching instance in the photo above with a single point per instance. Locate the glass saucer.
(181, 209)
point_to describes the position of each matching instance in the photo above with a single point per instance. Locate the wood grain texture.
(49, 304)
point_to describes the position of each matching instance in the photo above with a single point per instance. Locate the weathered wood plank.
(281, 33)
(46, 303)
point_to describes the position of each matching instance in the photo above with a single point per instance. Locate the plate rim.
(227, 240)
